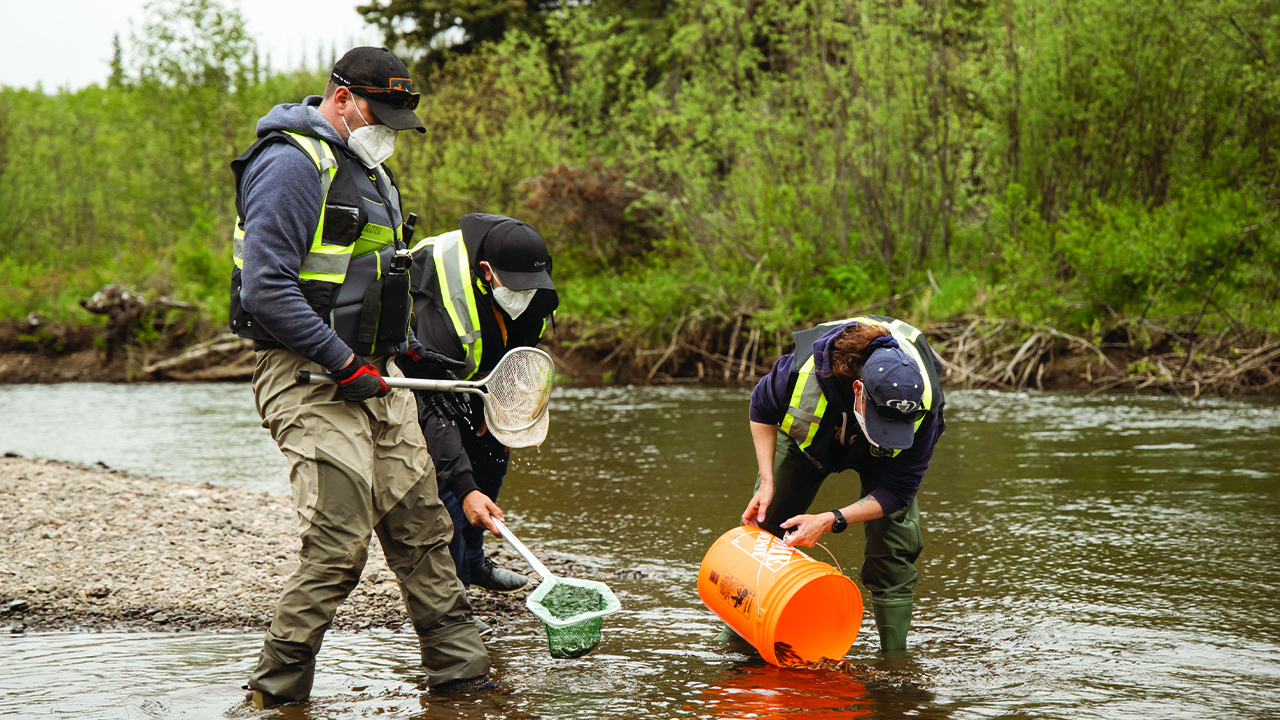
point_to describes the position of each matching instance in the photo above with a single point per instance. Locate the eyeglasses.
(394, 97)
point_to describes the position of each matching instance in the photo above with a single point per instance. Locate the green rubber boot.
(893, 620)
(727, 634)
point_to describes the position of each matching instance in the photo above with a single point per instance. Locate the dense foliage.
(701, 165)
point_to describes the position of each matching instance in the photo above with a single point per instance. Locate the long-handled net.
(516, 394)
(571, 610)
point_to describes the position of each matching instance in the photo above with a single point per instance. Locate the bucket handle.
(772, 539)
(833, 558)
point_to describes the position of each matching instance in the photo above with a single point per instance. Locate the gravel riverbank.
(92, 548)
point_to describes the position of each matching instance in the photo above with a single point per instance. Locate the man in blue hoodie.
(860, 394)
(319, 285)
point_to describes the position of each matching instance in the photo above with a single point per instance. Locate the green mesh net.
(572, 612)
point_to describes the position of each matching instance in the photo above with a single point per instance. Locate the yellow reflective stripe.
(796, 394)
(442, 274)
(801, 423)
(905, 330)
(910, 349)
(425, 242)
(325, 263)
(323, 277)
(813, 427)
(454, 274)
(237, 245)
(307, 143)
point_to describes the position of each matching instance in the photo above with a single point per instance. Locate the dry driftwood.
(221, 345)
(1009, 354)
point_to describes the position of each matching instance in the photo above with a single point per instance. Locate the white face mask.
(514, 302)
(373, 144)
(862, 423)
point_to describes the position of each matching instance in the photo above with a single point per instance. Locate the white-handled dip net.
(516, 394)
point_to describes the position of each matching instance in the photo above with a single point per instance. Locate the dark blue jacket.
(902, 474)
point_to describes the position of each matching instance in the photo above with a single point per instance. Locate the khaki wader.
(357, 468)
(893, 542)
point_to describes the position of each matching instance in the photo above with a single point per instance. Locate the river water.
(1086, 557)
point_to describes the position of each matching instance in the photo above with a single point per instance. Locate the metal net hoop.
(519, 390)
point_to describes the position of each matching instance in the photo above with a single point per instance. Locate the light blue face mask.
(373, 144)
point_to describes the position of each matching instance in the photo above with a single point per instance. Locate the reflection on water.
(1086, 557)
(188, 432)
(764, 691)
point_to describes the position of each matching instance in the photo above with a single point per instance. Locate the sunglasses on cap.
(387, 96)
(894, 414)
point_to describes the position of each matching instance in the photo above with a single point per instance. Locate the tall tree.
(193, 43)
(432, 30)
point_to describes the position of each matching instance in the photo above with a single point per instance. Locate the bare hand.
(478, 508)
(806, 530)
(754, 514)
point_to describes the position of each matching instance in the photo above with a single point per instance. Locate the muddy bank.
(975, 352)
(92, 548)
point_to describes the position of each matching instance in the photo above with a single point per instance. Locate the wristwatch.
(839, 525)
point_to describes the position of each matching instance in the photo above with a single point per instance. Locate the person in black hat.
(860, 394)
(478, 292)
(320, 226)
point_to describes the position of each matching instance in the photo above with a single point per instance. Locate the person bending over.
(478, 292)
(862, 395)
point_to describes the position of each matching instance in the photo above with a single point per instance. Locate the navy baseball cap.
(894, 393)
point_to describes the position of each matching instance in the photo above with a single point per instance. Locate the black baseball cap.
(518, 254)
(383, 81)
(894, 390)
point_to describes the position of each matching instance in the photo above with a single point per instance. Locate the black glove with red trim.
(360, 380)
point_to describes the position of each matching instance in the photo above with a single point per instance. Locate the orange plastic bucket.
(791, 608)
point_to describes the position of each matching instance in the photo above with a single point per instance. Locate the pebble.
(84, 549)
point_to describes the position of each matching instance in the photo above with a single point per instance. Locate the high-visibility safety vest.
(806, 411)
(358, 231)
(444, 270)
(452, 265)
